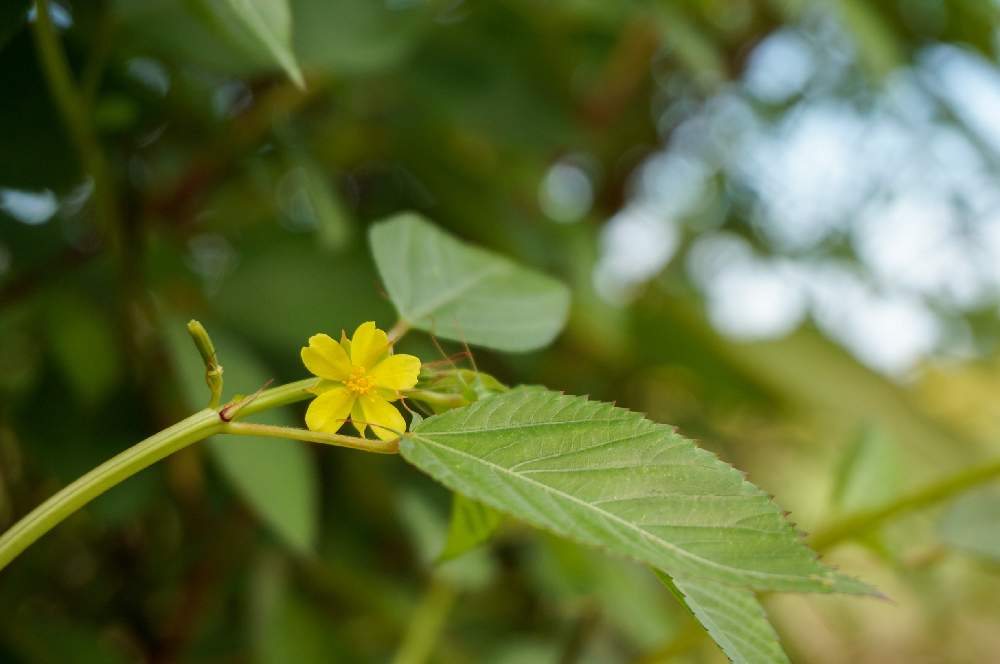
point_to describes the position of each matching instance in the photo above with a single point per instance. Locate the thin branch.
(293, 433)
(859, 523)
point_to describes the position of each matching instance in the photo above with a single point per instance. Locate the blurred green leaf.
(456, 291)
(875, 40)
(268, 24)
(307, 292)
(972, 524)
(427, 528)
(596, 473)
(869, 473)
(733, 617)
(276, 477)
(472, 523)
(286, 627)
(85, 348)
(356, 36)
(626, 595)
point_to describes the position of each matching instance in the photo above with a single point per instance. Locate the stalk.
(74, 496)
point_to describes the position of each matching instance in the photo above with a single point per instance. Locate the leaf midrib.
(457, 291)
(613, 517)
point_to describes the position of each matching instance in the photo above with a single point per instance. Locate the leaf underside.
(733, 617)
(471, 524)
(608, 477)
(456, 291)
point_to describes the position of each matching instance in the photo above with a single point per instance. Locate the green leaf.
(869, 473)
(275, 477)
(733, 617)
(268, 24)
(608, 477)
(73, 326)
(444, 286)
(972, 524)
(471, 524)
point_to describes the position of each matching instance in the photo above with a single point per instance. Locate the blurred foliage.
(605, 143)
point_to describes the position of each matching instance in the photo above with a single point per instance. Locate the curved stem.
(197, 427)
(279, 396)
(293, 433)
(71, 498)
(858, 523)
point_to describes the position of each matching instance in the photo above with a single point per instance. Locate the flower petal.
(329, 411)
(345, 343)
(358, 417)
(324, 386)
(325, 358)
(396, 372)
(379, 411)
(368, 345)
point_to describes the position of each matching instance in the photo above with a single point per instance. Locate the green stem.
(863, 521)
(213, 370)
(293, 433)
(426, 624)
(437, 398)
(279, 396)
(73, 497)
(73, 108)
(46, 516)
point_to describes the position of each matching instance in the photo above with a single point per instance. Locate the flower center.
(359, 382)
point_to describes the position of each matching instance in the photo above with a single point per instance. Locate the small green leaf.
(869, 473)
(275, 477)
(608, 477)
(269, 23)
(472, 523)
(733, 617)
(456, 291)
(972, 524)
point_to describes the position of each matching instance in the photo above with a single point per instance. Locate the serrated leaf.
(456, 291)
(471, 524)
(733, 617)
(972, 524)
(275, 477)
(608, 477)
(269, 23)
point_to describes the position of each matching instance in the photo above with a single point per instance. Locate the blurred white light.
(29, 207)
(150, 73)
(565, 193)
(779, 67)
(60, 16)
(887, 331)
(972, 83)
(747, 298)
(914, 242)
(807, 174)
(635, 245)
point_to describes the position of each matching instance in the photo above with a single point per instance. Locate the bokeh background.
(780, 220)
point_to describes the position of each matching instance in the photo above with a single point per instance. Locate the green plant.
(584, 470)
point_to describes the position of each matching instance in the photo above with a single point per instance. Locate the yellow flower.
(360, 378)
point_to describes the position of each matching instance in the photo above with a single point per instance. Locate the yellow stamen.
(358, 382)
